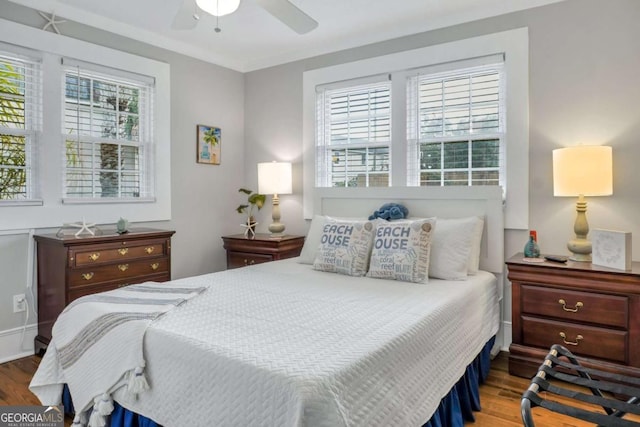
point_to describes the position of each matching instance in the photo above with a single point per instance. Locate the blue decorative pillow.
(390, 211)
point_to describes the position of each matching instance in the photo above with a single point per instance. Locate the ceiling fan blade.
(184, 19)
(290, 15)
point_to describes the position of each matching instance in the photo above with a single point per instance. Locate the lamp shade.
(583, 170)
(218, 7)
(274, 178)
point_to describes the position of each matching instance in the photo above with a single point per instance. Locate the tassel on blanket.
(105, 405)
(102, 407)
(137, 382)
(78, 421)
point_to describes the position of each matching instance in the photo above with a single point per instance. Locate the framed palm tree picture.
(209, 144)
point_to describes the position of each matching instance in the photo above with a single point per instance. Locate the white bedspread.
(280, 345)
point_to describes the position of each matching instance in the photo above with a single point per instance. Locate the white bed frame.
(445, 202)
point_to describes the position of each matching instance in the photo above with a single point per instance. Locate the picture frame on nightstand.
(611, 249)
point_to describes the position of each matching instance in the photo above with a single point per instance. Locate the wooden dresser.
(263, 248)
(71, 267)
(593, 311)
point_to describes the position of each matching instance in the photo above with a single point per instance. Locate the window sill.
(15, 203)
(108, 201)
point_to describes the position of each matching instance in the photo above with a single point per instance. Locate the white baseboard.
(506, 335)
(12, 344)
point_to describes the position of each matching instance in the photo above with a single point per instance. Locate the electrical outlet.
(19, 303)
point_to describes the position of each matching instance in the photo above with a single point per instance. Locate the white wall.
(584, 59)
(203, 198)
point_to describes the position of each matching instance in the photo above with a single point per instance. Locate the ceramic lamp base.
(580, 250)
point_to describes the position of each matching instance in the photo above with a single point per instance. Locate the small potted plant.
(254, 200)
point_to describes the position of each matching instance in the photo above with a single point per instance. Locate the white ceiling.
(252, 39)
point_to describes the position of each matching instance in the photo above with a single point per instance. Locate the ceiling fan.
(288, 13)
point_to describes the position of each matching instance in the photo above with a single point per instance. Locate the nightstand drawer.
(243, 259)
(242, 252)
(609, 310)
(584, 340)
(122, 270)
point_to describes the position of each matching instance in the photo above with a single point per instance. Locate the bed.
(282, 344)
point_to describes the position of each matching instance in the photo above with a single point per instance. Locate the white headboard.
(444, 202)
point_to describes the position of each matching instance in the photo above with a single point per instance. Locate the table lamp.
(275, 178)
(582, 171)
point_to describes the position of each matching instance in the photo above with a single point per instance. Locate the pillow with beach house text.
(345, 247)
(401, 250)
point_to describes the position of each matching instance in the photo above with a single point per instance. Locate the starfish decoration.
(84, 227)
(51, 21)
(250, 228)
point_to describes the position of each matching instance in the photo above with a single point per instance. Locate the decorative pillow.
(312, 241)
(345, 247)
(451, 248)
(401, 250)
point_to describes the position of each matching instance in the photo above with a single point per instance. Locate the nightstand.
(242, 251)
(593, 311)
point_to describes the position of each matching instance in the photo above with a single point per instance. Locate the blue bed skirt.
(455, 408)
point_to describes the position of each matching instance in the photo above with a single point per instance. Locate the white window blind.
(20, 126)
(108, 135)
(455, 127)
(353, 134)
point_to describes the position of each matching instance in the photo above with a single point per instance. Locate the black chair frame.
(550, 379)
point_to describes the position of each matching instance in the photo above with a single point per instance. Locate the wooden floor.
(499, 396)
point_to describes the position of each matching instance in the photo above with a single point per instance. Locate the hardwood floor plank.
(499, 395)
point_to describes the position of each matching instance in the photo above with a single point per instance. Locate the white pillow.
(474, 258)
(312, 241)
(451, 248)
(345, 247)
(401, 250)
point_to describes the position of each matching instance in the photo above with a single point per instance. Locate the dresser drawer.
(609, 310)
(102, 254)
(80, 291)
(243, 259)
(119, 271)
(584, 340)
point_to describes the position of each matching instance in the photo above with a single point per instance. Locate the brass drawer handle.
(123, 251)
(247, 262)
(149, 250)
(87, 276)
(571, 310)
(123, 267)
(155, 266)
(576, 342)
(94, 256)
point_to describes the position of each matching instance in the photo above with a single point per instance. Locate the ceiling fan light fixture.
(218, 7)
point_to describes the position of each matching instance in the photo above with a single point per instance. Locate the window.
(446, 156)
(20, 124)
(354, 135)
(100, 133)
(454, 123)
(455, 127)
(107, 131)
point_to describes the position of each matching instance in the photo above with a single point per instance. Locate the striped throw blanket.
(97, 347)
